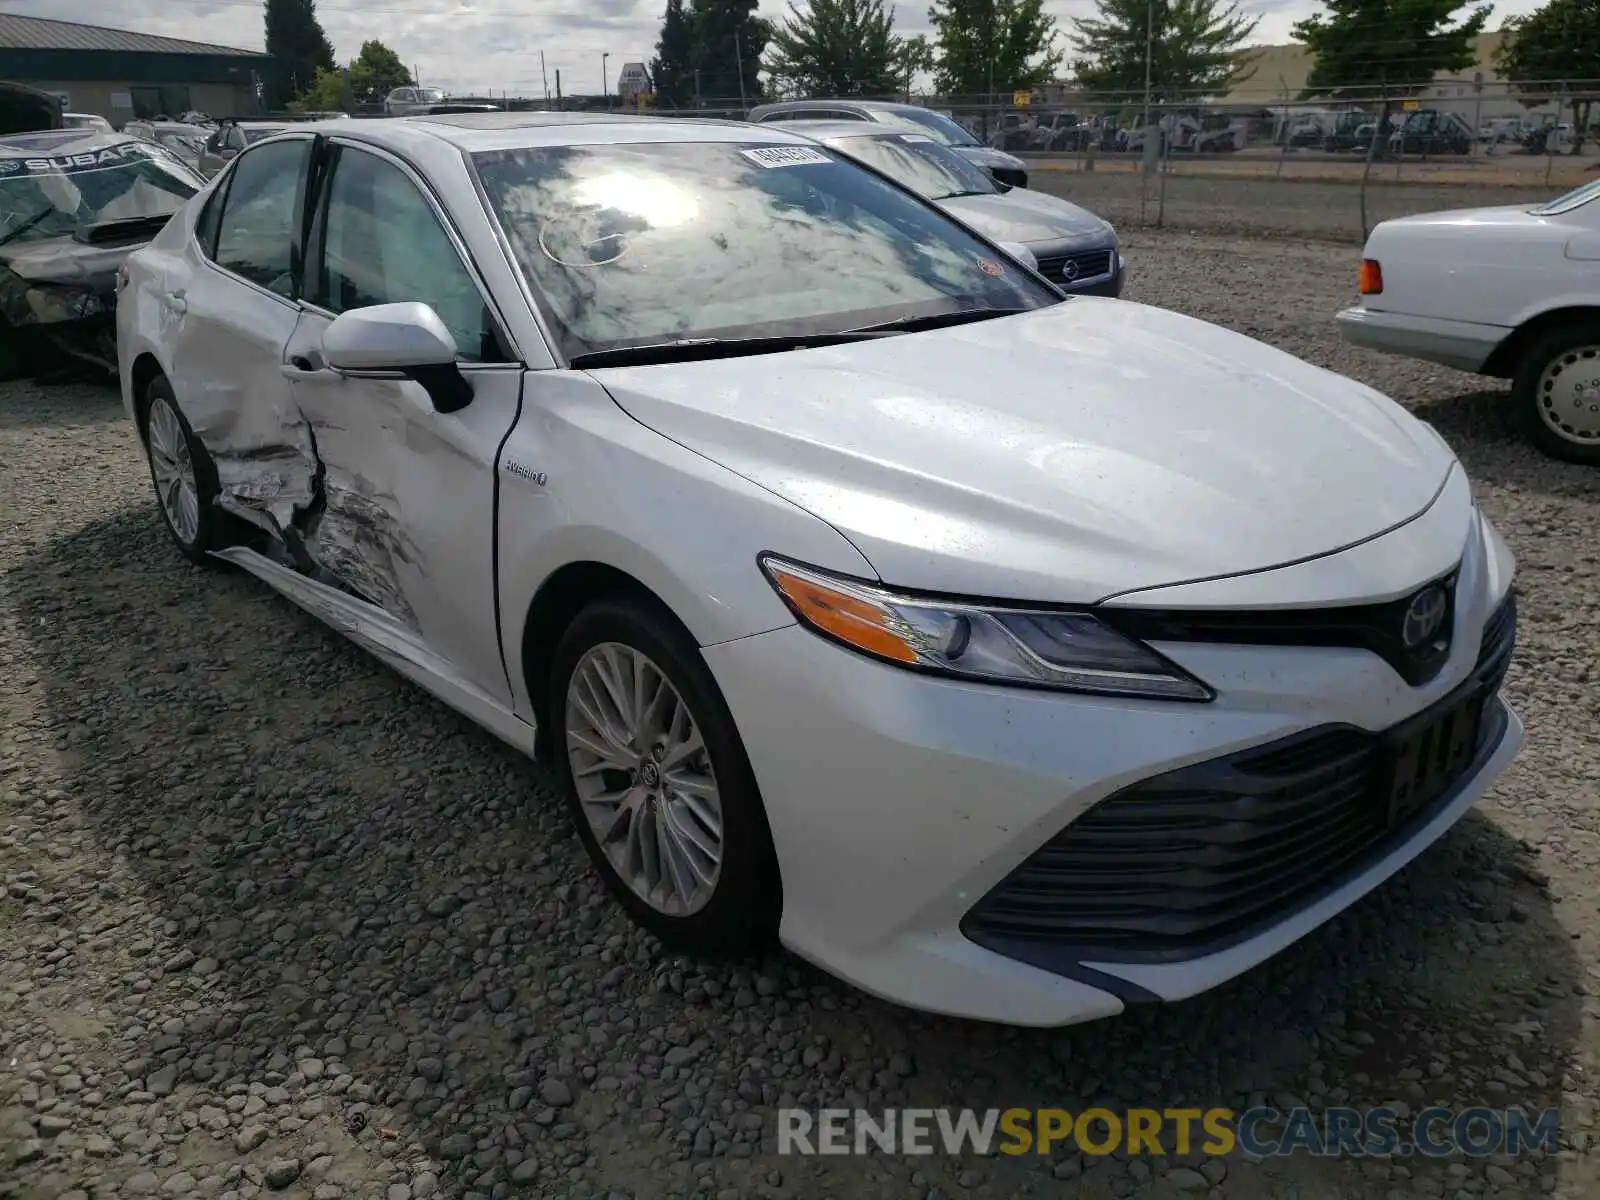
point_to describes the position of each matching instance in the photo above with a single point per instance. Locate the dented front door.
(406, 515)
(406, 509)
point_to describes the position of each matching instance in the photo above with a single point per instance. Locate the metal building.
(122, 75)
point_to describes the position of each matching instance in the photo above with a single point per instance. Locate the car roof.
(863, 105)
(58, 142)
(472, 132)
(847, 129)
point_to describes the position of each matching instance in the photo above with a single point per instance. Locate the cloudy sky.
(479, 45)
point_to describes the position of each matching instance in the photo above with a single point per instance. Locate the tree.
(672, 69)
(988, 46)
(1396, 45)
(837, 48)
(916, 58)
(1561, 41)
(376, 72)
(327, 92)
(1193, 47)
(298, 46)
(728, 40)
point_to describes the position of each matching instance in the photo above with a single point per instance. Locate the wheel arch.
(1503, 361)
(561, 597)
(145, 370)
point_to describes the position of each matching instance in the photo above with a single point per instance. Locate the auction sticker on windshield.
(785, 156)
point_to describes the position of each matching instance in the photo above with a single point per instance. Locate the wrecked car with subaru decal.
(73, 204)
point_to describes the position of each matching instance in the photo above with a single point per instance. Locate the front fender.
(580, 481)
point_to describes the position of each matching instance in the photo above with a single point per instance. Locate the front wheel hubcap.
(173, 469)
(1569, 395)
(644, 778)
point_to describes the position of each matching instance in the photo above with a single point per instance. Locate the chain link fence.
(1259, 161)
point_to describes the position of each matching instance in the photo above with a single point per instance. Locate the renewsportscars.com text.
(1260, 1132)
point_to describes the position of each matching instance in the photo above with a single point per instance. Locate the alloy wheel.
(1568, 395)
(644, 778)
(173, 469)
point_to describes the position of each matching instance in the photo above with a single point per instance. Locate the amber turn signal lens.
(1371, 277)
(853, 621)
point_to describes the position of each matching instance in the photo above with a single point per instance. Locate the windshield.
(54, 196)
(916, 161)
(942, 127)
(627, 245)
(1573, 199)
(184, 145)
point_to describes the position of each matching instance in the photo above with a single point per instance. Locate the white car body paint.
(1457, 284)
(1203, 472)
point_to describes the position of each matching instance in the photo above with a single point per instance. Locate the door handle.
(304, 364)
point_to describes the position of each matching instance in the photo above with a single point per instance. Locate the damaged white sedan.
(1009, 655)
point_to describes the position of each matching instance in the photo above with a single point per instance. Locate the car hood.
(988, 156)
(1068, 454)
(66, 261)
(1023, 215)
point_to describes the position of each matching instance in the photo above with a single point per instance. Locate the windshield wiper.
(690, 349)
(12, 235)
(961, 316)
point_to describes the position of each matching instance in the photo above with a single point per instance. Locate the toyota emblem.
(1424, 617)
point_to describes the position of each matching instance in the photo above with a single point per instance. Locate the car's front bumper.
(1460, 344)
(898, 802)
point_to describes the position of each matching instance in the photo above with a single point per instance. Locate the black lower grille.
(1067, 269)
(1189, 862)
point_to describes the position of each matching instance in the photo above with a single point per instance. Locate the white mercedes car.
(1510, 292)
(676, 452)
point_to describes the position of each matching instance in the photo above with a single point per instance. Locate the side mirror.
(408, 339)
(1021, 253)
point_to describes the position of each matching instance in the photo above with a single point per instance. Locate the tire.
(212, 528)
(737, 913)
(1562, 423)
(13, 363)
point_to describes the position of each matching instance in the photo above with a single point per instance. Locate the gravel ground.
(272, 921)
(1298, 208)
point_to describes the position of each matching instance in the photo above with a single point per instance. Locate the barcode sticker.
(785, 156)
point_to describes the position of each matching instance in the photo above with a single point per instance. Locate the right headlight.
(1044, 648)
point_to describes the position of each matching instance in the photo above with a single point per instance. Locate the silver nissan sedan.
(1076, 250)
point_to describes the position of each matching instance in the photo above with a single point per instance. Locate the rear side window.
(260, 218)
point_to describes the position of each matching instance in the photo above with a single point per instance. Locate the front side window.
(383, 244)
(916, 161)
(64, 194)
(260, 219)
(629, 245)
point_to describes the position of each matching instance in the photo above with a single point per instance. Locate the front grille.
(1195, 860)
(1375, 627)
(1089, 265)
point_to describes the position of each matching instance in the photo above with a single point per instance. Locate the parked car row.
(859, 594)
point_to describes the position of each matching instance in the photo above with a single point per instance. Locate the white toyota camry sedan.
(1009, 655)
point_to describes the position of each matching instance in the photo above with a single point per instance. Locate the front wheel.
(1557, 387)
(658, 781)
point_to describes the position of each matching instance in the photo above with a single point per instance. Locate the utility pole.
(546, 74)
(738, 59)
(605, 84)
(558, 88)
(1149, 47)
